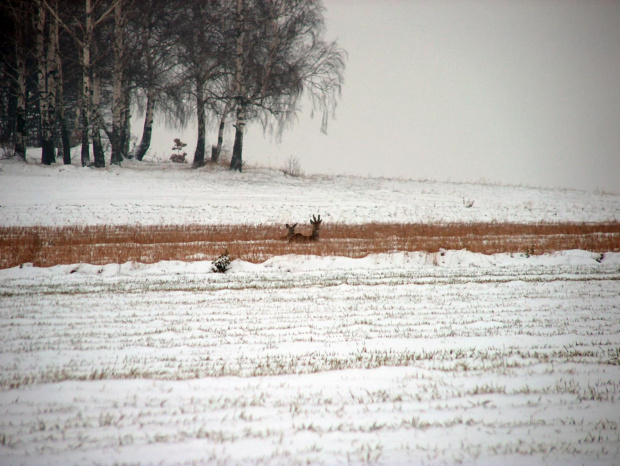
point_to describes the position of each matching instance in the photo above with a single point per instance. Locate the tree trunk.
(126, 122)
(145, 143)
(236, 162)
(64, 137)
(86, 91)
(64, 131)
(76, 128)
(98, 154)
(199, 154)
(217, 150)
(117, 92)
(43, 76)
(20, 111)
(53, 58)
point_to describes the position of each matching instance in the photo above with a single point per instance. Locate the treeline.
(73, 70)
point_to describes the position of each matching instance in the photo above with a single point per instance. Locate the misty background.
(509, 92)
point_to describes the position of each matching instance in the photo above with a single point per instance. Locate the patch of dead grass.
(47, 246)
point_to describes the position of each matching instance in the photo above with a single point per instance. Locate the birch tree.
(280, 58)
(236, 162)
(93, 14)
(20, 111)
(124, 12)
(156, 63)
(201, 52)
(60, 98)
(97, 123)
(46, 79)
(14, 70)
(118, 101)
(85, 111)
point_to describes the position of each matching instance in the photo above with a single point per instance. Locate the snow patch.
(308, 263)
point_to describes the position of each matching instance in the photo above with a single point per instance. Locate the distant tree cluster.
(72, 71)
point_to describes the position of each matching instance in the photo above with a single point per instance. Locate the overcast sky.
(514, 92)
(523, 92)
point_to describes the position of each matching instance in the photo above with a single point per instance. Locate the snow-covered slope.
(165, 193)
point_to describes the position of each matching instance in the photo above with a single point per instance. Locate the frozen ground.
(392, 359)
(143, 193)
(407, 358)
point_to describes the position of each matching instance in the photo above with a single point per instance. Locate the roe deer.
(291, 232)
(314, 236)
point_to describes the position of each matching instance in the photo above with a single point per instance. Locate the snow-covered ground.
(404, 358)
(143, 193)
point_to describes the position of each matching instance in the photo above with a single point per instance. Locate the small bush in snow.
(292, 167)
(221, 264)
(178, 147)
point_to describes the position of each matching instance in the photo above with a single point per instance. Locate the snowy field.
(392, 359)
(404, 358)
(155, 194)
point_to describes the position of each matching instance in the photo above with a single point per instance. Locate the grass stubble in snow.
(401, 358)
(397, 358)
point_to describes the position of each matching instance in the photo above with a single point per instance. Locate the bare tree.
(17, 15)
(280, 58)
(200, 52)
(159, 62)
(236, 162)
(93, 14)
(118, 101)
(220, 60)
(149, 30)
(61, 111)
(46, 42)
(20, 111)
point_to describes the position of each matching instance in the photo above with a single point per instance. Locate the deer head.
(316, 225)
(291, 231)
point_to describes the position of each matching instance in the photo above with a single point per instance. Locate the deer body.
(314, 236)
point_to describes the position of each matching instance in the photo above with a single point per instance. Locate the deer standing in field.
(314, 236)
(291, 232)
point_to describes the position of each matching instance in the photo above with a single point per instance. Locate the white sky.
(512, 92)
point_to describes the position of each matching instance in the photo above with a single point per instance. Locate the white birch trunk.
(86, 86)
(52, 78)
(126, 121)
(217, 150)
(47, 145)
(20, 111)
(117, 91)
(96, 120)
(64, 131)
(199, 154)
(147, 131)
(236, 162)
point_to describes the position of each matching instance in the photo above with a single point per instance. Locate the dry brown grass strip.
(47, 246)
